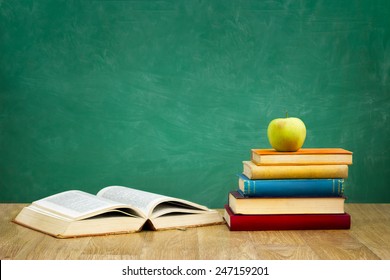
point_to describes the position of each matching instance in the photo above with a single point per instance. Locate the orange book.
(304, 156)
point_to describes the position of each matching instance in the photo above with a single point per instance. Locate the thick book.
(304, 156)
(241, 204)
(112, 210)
(237, 222)
(291, 187)
(253, 171)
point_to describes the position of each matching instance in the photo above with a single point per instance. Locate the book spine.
(240, 204)
(291, 187)
(287, 222)
(302, 157)
(253, 171)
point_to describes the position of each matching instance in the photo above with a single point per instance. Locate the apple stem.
(286, 114)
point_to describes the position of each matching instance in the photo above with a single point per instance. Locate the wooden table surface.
(368, 239)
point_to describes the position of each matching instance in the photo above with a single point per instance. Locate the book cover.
(253, 171)
(291, 187)
(241, 204)
(304, 156)
(236, 222)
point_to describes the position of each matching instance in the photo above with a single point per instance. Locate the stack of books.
(291, 191)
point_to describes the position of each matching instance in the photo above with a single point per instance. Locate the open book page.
(147, 202)
(77, 205)
(52, 214)
(169, 208)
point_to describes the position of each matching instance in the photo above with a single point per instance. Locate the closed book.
(237, 222)
(253, 171)
(304, 156)
(291, 187)
(241, 204)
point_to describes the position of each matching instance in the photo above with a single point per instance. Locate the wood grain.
(368, 239)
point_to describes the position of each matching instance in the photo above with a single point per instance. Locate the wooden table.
(368, 238)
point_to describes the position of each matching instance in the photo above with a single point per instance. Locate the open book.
(113, 210)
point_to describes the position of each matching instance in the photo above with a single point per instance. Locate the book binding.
(236, 222)
(291, 187)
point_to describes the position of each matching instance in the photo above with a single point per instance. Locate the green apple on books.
(286, 134)
(290, 187)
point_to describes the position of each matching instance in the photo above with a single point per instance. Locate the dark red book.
(238, 222)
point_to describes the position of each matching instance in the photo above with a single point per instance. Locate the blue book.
(291, 187)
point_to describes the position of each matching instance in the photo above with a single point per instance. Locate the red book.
(237, 222)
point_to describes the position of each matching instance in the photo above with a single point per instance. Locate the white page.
(145, 201)
(168, 208)
(76, 204)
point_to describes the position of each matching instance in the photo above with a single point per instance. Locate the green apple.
(286, 134)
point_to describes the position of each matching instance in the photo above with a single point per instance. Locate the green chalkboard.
(170, 96)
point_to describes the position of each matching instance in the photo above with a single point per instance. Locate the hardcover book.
(304, 156)
(285, 205)
(253, 171)
(112, 210)
(237, 222)
(291, 187)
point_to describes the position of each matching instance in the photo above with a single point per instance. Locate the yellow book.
(253, 171)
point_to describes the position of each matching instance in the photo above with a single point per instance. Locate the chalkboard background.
(170, 96)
